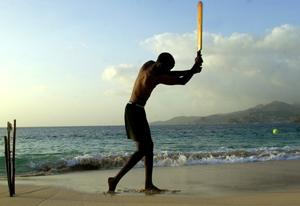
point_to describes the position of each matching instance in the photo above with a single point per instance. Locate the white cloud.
(239, 71)
(174, 43)
(122, 75)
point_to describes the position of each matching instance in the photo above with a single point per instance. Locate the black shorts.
(137, 127)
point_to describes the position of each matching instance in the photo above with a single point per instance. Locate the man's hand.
(198, 63)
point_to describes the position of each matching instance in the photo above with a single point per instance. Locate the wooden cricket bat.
(199, 29)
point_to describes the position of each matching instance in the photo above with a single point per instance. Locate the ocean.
(54, 150)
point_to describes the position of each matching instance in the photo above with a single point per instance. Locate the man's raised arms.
(181, 77)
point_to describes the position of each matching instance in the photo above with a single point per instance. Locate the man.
(151, 74)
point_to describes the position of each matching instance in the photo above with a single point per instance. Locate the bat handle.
(199, 52)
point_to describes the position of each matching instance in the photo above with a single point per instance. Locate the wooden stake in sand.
(10, 162)
(7, 155)
(13, 158)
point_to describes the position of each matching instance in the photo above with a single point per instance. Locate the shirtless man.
(151, 74)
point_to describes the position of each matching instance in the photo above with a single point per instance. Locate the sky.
(74, 63)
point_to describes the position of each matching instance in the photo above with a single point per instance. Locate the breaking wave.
(164, 158)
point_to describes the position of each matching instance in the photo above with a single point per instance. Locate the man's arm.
(181, 77)
(182, 80)
(178, 73)
(178, 80)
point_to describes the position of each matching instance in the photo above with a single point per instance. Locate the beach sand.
(258, 183)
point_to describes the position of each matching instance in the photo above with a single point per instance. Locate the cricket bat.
(199, 29)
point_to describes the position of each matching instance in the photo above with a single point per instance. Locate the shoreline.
(275, 181)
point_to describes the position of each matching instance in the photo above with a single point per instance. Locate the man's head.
(165, 61)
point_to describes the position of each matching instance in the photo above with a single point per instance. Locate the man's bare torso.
(144, 84)
(153, 73)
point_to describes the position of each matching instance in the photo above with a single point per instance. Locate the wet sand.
(259, 183)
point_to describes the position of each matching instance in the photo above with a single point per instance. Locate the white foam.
(167, 158)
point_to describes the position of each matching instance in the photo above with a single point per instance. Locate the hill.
(274, 112)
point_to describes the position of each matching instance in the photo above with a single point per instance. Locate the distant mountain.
(273, 112)
(176, 121)
(296, 105)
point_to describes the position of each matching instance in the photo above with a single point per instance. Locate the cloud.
(271, 57)
(174, 43)
(239, 70)
(122, 75)
(182, 47)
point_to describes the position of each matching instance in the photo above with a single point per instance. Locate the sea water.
(53, 150)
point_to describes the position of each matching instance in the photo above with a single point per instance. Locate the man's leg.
(148, 159)
(132, 161)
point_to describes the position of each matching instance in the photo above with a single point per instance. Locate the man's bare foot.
(111, 185)
(152, 188)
